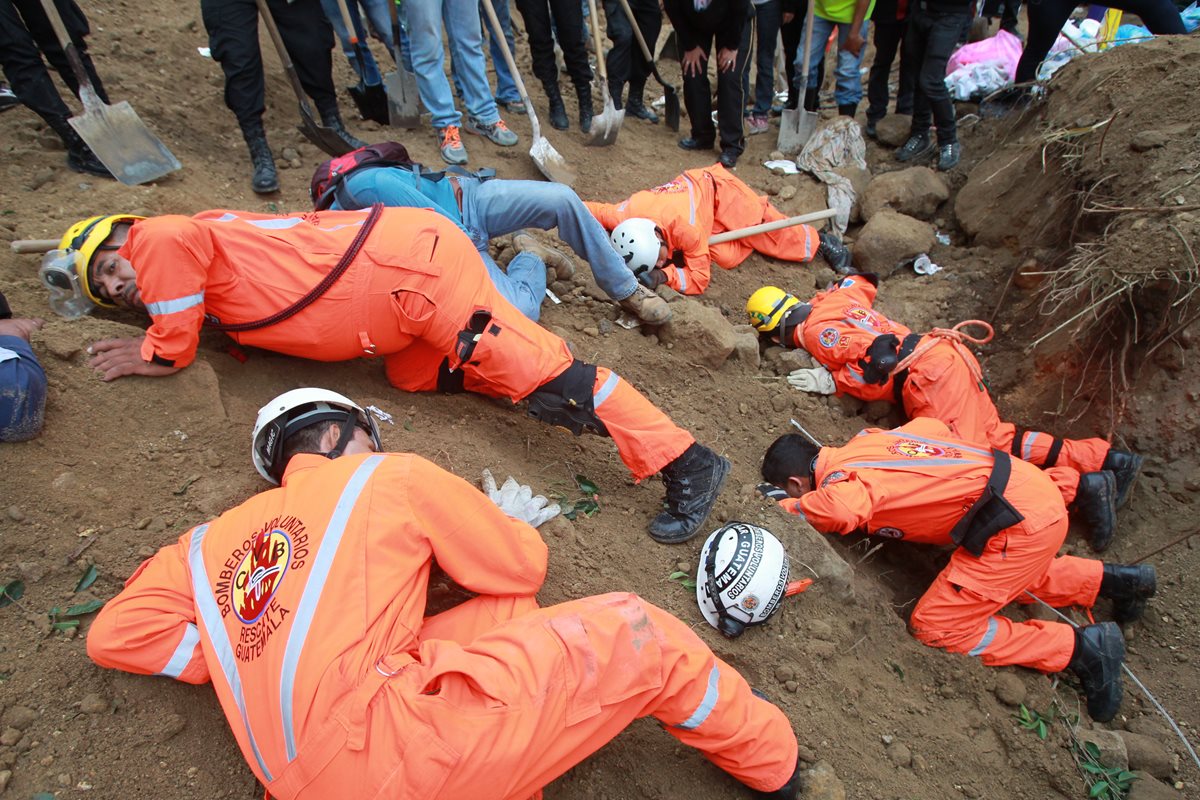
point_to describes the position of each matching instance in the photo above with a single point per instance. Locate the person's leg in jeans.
(366, 69)
(506, 87)
(500, 207)
(816, 57)
(424, 23)
(768, 17)
(381, 22)
(848, 73)
(465, 36)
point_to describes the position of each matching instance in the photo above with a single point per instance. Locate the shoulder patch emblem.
(676, 185)
(910, 448)
(829, 337)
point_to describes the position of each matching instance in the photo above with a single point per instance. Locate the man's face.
(115, 280)
(798, 486)
(664, 255)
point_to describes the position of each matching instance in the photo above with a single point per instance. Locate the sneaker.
(515, 106)
(948, 156)
(1129, 587)
(1099, 652)
(497, 131)
(8, 99)
(1125, 466)
(450, 145)
(756, 124)
(728, 159)
(835, 253)
(647, 306)
(918, 146)
(1096, 504)
(693, 480)
(554, 260)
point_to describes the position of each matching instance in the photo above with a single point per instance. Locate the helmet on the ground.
(742, 577)
(293, 411)
(768, 306)
(636, 240)
(76, 250)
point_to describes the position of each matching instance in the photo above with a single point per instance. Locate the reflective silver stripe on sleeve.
(1027, 446)
(210, 617)
(607, 388)
(178, 304)
(988, 636)
(183, 653)
(902, 466)
(711, 695)
(306, 609)
(937, 442)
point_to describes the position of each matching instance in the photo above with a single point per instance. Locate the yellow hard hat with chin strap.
(768, 306)
(76, 251)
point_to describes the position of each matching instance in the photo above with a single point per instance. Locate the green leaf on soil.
(1092, 749)
(408, 426)
(13, 590)
(89, 577)
(182, 490)
(677, 575)
(1098, 789)
(83, 608)
(896, 668)
(65, 625)
(586, 485)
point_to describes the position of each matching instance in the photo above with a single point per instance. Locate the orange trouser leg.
(528, 700)
(1085, 455)
(959, 611)
(475, 617)
(646, 438)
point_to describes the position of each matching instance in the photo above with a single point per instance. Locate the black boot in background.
(332, 119)
(1125, 466)
(1096, 506)
(584, 93)
(266, 179)
(558, 111)
(80, 157)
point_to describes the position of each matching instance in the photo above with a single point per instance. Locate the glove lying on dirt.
(518, 500)
(817, 380)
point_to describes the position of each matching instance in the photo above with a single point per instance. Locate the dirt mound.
(125, 468)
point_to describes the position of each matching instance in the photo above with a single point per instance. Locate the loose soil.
(124, 468)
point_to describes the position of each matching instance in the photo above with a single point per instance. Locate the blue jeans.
(368, 72)
(424, 27)
(849, 81)
(506, 87)
(768, 17)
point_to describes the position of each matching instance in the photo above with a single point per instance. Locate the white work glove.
(518, 500)
(817, 380)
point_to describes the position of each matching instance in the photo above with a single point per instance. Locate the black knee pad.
(566, 401)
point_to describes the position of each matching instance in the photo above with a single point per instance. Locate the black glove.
(652, 278)
(771, 492)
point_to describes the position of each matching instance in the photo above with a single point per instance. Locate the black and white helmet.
(295, 410)
(742, 577)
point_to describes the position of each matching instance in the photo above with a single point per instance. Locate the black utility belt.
(991, 513)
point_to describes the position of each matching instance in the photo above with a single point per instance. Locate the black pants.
(24, 31)
(697, 97)
(625, 61)
(1046, 19)
(232, 27)
(1006, 10)
(888, 36)
(929, 42)
(568, 25)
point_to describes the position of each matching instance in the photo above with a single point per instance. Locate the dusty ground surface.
(124, 468)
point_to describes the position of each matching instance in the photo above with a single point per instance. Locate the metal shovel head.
(372, 102)
(404, 108)
(671, 109)
(122, 142)
(606, 125)
(550, 162)
(796, 127)
(325, 138)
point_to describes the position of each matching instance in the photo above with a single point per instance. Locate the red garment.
(915, 483)
(408, 296)
(701, 203)
(940, 383)
(304, 606)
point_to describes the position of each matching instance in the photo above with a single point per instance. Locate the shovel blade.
(404, 109)
(550, 163)
(671, 108)
(606, 125)
(124, 145)
(372, 102)
(326, 139)
(796, 127)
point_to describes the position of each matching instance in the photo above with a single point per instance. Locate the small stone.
(785, 673)
(591, 330)
(820, 629)
(806, 754)
(20, 717)
(295, 163)
(40, 179)
(5, 777)
(605, 327)
(822, 783)
(887, 738)
(65, 482)
(776, 155)
(10, 736)
(64, 779)
(93, 704)
(15, 514)
(1146, 754)
(1010, 690)
(792, 686)
(290, 153)
(787, 192)
(172, 725)
(1147, 140)
(900, 755)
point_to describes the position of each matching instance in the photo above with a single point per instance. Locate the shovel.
(122, 142)
(796, 126)
(774, 225)
(607, 124)
(670, 95)
(545, 157)
(325, 138)
(370, 100)
(404, 107)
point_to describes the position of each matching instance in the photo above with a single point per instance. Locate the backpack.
(330, 174)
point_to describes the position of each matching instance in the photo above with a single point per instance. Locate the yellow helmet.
(768, 306)
(83, 239)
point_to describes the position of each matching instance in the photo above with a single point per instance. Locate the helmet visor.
(58, 275)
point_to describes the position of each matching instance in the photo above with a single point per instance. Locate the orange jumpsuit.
(940, 384)
(304, 607)
(915, 483)
(701, 203)
(407, 296)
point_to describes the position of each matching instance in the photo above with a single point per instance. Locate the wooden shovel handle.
(766, 227)
(34, 245)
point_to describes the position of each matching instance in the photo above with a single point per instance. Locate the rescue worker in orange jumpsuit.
(858, 349)
(414, 291)
(1007, 520)
(304, 606)
(662, 233)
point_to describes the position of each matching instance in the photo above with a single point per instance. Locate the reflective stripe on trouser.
(960, 610)
(941, 385)
(646, 438)
(526, 701)
(738, 206)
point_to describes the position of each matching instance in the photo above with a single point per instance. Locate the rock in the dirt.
(916, 191)
(1150, 789)
(93, 703)
(1010, 690)
(20, 717)
(785, 673)
(1146, 754)
(877, 410)
(888, 240)
(1112, 747)
(699, 333)
(788, 360)
(787, 192)
(745, 349)
(821, 783)
(65, 482)
(893, 129)
(899, 754)
(9, 737)
(837, 577)
(1147, 140)
(820, 629)
(40, 179)
(859, 180)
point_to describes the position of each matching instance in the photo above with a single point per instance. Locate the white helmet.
(742, 578)
(636, 240)
(295, 410)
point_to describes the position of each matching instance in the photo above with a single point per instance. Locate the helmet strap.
(347, 433)
(727, 624)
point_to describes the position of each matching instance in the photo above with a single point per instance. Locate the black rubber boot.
(789, 791)
(80, 157)
(558, 111)
(1129, 587)
(266, 179)
(847, 109)
(834, 252)
(1125, 466)
(693, 482)
(812, 100)
(1096, 505)
(635, 106)
(584, 93)
(1099, 653)
(331, 119)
